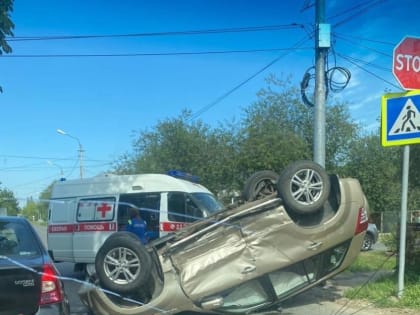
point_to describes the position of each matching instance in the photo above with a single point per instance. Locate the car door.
(96, 220)
(61, 224)
(224, 256)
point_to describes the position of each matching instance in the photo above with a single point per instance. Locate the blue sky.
(102, 100)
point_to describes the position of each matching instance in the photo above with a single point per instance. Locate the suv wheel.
(260, 185)
(122, 263)
(367, 242)
(304, 187)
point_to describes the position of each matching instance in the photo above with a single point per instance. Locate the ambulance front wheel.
(122, 263)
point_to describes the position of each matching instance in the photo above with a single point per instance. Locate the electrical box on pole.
(324, 35)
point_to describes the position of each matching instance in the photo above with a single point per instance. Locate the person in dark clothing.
(137, 225)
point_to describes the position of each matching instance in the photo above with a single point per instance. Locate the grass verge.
(382, 292)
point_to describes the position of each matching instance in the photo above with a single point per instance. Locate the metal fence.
(388, 222)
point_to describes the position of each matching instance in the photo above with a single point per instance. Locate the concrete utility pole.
(322, 43)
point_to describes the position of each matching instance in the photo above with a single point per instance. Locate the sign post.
(400, 125)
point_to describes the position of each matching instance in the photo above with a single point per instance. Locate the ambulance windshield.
(208, 202)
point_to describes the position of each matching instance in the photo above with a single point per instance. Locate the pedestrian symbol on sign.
(408, 120)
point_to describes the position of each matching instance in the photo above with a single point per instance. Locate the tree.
(379, 171)
(8, 201)
(414, 163)
(44, 199)
(275, 130)
(278, 129)
(182, 144)
(6, 27)
(31, 210)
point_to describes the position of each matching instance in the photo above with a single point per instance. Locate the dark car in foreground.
(29, 282)
(296, 230)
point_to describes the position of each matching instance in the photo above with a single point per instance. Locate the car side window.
(96, 209)
(291, 278)
(248, 295)
(147, 203)
(16, 240)
(333, 258)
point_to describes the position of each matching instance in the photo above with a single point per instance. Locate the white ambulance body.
(83, 213)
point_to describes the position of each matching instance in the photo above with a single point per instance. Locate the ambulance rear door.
(61, 224)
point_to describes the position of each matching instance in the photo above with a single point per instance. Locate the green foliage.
(383, 292)
(274, 131)
(8, 201)
(378, 170)
(373, 261)
(31, 210)
(38, 210)
(185, 145)
(6, 25)
(43, 203)
(390, 240)
(414, 176)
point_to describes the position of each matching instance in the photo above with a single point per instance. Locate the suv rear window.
(17, 240)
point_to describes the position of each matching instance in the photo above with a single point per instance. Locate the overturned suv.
(297, 229)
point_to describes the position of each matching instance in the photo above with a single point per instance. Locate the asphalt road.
(316, 301)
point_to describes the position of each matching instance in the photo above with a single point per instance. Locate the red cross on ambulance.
(104, 211)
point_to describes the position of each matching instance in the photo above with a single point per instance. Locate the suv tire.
(122, 263)
(304, 187)
(259, 185)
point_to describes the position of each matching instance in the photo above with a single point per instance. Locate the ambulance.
(83, 213)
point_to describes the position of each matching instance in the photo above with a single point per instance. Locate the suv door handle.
(314, 246)
(248, 269)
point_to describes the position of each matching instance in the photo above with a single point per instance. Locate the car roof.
(13, 218)
(118, 184)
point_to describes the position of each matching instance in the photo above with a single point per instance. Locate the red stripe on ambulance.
(83, 227)
(172, 226)
(61, 228)
(91, 227)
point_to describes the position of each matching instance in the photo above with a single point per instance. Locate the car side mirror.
(215, 302)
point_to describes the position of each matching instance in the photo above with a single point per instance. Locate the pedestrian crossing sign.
(400, 118)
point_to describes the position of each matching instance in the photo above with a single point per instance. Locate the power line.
(361, 7)
(263, 28)
(363, 46)
(238, 86)
(351, 17)
(40, 166)
(46, 158)
(151, 54)
(369, 63)
(370, 72)
(365, 39)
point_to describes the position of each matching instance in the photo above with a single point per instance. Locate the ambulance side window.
(182, 209)
(149, 205)
(96, 209)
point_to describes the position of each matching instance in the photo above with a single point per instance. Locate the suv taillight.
(362, 221)
(51, 291)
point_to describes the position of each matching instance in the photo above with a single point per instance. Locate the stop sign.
(406, 63)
